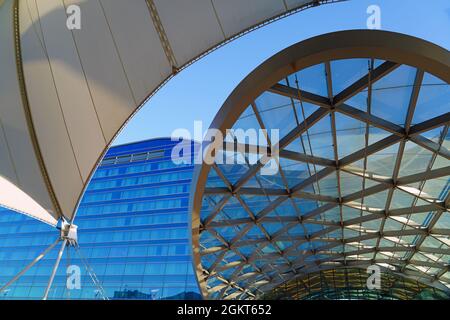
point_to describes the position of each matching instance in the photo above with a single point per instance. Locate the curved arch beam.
(395, 48)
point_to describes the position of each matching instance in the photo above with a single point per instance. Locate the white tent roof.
(64, 94)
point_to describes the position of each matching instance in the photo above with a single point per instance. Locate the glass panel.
(359, 101)
(311, 79)
(276, 112)
(391, 94)
(382, 162)
(319, 140)
(433, 100)
(350, 135)
(346, 72)
(415, 159)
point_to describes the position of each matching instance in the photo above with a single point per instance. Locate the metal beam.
(430, 124)
(302, 127)
(371, 119)
(301, 95)
(362, 83)
(306, 158)
(427, 175)
(431, 146)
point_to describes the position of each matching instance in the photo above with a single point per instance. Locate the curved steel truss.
(362, 178)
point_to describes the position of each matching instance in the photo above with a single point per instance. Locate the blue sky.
(197, 93)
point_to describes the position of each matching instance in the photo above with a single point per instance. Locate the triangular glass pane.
(285, 209)
(318, 140)
(382, 162)
(297, 145)
(373, 225)
(208, 204)
(408, 240)
(305, 206)
(276, 112)
(231, 210)
(214, 180)
(228, 272)
(311, 79)
(420, 218)
(228, 233)
(272, 228)
(336, 233)
(313, 228)
(350, 135)
(431, 242)
(377, 134)
(208, 240)
(349, 233)
(328, 186)
(246, 250)
(255, 203)
(446, 142)
(295, 172)
(257, 183)
(433, 100)
(254, 232)
(233, 172)
(378, 62)
(377, 200)
(347, 71)
(303, 110)
(352, 213)
(271, 180)
(391, 225)
(305, 246)
(440, 162)
(444, 221)
(369, 242)
(247, 112)
(270, 248)
(386, 243)
(401, 199)
(350, 183)
(436, 188)
(392, 94)
(338, 249)
(422, 198)
(434, 134)
(297, 230)
(247, 122)
(415, 159)
(358, 169)
(312, 188)
(332, 215)
(359, 101)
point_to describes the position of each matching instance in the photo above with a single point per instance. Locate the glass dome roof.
(362, 178)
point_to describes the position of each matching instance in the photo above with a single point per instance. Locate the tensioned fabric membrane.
(64, 94)
(362, 173)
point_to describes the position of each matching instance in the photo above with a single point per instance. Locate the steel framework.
(277, 239)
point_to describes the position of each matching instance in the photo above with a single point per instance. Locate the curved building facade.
(350, 175)
(133, 234)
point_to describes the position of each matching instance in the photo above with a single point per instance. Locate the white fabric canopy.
(13, 198)
(64, 94)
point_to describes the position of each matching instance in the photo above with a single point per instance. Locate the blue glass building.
(132, 231)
